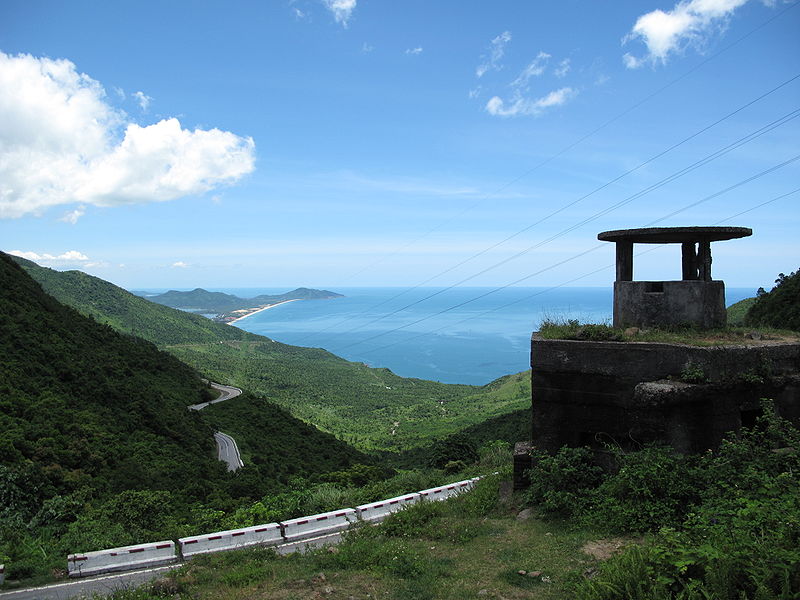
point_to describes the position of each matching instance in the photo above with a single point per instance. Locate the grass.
(468, 547)
(575, 330)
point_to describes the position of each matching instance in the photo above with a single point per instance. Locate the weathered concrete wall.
(659, 303)
(587, 393)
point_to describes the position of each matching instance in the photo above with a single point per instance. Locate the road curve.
(228, 451)
(228, 392)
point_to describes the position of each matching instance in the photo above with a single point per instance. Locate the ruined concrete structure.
(694, 300)
(587, 393)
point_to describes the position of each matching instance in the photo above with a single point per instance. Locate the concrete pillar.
(704, 260)
(624, 261)
(689, 261)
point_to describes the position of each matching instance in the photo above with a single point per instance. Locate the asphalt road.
(228, 451)
(228, 392)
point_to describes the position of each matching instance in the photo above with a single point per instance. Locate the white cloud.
(527, 106)
(180, 265)
(474, 93)
(61, 142)
(68, 256)
(496, 50)
(688, 23)
(143, 99)
(562, 69)
(417, 50)
(72, 216)
(342, 10)
(299, 13)
(534, 69)
(366, 48)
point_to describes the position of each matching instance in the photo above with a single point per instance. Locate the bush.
(780, 307)
(561, 484)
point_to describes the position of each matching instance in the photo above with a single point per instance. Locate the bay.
(461, 335)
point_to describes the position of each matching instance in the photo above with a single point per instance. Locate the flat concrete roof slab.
(674, 235)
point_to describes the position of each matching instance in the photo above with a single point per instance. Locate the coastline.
(258, 310)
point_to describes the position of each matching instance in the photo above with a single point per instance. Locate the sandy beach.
(262, 308)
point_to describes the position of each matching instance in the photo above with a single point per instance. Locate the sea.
(463, 335)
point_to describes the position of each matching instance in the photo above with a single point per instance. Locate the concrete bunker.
(694, 300)
(630, 393)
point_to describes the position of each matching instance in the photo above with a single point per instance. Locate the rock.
(548, 534)
(631, 331)
(535, 574)
(522, 572)
(164, 587)
(525, 514)
(483, 592)
(333, 550)
(754, 335)
(328, 589)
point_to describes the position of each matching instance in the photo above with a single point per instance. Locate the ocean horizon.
(468, 335)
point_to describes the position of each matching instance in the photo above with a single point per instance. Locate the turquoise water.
(463, 335)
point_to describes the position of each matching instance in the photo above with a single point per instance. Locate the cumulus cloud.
(342, 10)
(529, 106)
(72, 216)
(367, 48)
(143, 99)
(417, 50)
(61, 142)
(688, 23)
(180, 265)
(68, 256)
(497, 48)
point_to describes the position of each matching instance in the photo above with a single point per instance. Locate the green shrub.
(780, 307)
(561, 484)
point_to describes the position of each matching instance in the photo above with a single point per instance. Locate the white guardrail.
(129, 558)
(122, 559)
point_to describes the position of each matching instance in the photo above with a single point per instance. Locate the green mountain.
(86, 407)
(202, 300)
(98, 448)
(125, 312)
(372, 409)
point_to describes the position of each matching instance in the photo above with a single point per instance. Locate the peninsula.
(228, 308)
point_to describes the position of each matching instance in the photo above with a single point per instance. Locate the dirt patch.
(605, 549)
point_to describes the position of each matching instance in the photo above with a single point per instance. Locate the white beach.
(263, 308)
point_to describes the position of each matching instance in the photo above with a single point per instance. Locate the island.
(227, 308)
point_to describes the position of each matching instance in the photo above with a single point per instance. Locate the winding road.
(227, 450)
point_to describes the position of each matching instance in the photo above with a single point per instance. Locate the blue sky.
(335, 143)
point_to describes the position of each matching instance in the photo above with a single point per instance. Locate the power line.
(569, 147)
(580, 199)
(585, 275)
(680, 173)
(518, 281)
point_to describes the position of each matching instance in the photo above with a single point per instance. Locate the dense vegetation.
(125, 312)
(369, 408)
(372, 409)
(98, 448)
(724, 524)
(721, 526)
(780, 307)
(200, 299)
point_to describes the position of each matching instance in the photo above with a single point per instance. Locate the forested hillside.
(98, 448)
(370, 408)
(200, 299)
(125, 312)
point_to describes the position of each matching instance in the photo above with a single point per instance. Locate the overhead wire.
(569, 205)
(680, 173)
(578, 255)
(574, 144)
